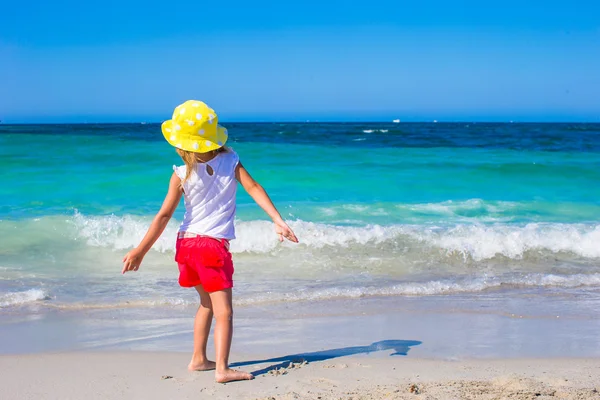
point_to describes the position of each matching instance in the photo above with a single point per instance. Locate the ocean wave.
(469, 285)
(162, 302)
(121, 233)
(429, 288)
(452, 208)
(473, 210)
(23, 298)
(470, 210)
(253, 236)
(481, 242)
(474, 241)
(434, 242)
(375, 130)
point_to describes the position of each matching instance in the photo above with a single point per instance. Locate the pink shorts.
(205, 261)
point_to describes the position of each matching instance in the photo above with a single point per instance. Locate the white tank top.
(210, 199)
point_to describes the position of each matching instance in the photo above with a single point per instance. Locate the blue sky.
(72, 61)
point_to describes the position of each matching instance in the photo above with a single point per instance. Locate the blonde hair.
(191, 159)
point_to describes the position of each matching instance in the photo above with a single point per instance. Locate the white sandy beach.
(144, 375)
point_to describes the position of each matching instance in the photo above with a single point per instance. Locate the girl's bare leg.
(222, 307)
(204, 317)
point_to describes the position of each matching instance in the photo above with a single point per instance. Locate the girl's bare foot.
(202, 366)
(230, 375)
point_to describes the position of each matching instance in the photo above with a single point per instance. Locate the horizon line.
(2, 123)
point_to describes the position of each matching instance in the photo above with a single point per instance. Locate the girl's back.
(209, 194)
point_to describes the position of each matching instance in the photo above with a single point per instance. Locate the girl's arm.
(261, 198)
(133, 259)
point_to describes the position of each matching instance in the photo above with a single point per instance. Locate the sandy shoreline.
(394, 348)
(142, 375)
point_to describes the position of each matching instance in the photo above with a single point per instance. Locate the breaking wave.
(23, 298)
(474, 241)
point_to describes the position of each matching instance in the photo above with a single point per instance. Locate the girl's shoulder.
(180, 171)
(230, 155)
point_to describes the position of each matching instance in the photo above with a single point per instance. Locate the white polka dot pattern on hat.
(194, 127)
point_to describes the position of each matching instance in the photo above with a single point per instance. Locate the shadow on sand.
(400, 348)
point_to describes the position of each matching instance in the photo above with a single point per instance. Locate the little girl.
(208, 182)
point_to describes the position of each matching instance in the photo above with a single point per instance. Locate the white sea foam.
(121, 232)
(474, 241)
(375, 130)
(257, 236)
(253, 236)
(481, 242)
(429, 288)
(334, 291)
(22, 298)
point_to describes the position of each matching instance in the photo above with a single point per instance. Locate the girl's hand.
(284, 231)
(132, 260)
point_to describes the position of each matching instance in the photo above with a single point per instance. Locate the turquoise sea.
(381, 210)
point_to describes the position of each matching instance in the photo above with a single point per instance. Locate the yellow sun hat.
(194, 127)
